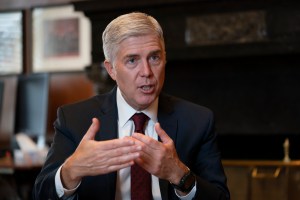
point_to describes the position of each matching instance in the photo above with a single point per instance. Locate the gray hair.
(128, 25)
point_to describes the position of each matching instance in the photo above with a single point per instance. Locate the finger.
(147, 148)
(147, 143)
(122, 151)
(161, 133)
(119, 160)
(117, 143)
(116, 163)
(139, 137)
(94, 128)
(111, 168)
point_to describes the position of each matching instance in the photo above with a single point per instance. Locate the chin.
(145, 102)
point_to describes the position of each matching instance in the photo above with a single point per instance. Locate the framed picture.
(61, 39)
(11, 43)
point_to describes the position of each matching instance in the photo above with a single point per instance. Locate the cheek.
(125, 79)
(113, 73)
(161, 75)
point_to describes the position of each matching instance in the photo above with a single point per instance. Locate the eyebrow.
(130, 56)
(156, 51)
(151, 53)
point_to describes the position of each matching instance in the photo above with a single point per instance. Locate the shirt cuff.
(60, 190)
(190, 195)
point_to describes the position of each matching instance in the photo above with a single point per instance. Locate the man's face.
(139, 70)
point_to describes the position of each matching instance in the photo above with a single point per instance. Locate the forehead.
(140, 45)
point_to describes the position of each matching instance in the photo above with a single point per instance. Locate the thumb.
(94, 128)
(161, 133)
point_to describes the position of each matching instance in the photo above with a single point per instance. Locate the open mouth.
(147, 88)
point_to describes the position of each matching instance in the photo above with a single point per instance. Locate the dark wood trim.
(11, 5)
(27, 41)
(248, 163)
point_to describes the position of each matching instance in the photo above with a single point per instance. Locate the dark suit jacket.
(189, 125)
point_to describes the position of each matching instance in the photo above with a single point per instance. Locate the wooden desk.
(295, 163)
(263, 179)
(18, 178)
(6, 164)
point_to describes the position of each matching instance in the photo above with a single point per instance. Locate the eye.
(131, 60)
(155, 59)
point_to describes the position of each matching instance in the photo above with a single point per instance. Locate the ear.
(110, 69)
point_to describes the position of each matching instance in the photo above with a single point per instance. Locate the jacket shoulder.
(180, 105)
(94, 103)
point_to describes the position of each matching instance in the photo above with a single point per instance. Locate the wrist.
(68, 180)
(178, 172)
(186, 183)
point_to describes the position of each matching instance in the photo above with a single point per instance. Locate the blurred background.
(239, 58)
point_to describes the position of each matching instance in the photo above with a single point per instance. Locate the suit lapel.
(166, 117)
(168, 122)
(109, 130)
(108, 117)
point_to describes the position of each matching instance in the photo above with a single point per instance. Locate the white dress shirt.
(126, 128)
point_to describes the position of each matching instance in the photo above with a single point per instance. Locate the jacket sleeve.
(210, 175)
(195, 141)
(62, 147)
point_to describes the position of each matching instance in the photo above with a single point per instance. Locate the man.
(96, 146)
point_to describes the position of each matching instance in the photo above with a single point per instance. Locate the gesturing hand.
(160, 158)
(98, 157)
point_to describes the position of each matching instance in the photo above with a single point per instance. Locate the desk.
(17, 179)
(6, 164)
(263, 179)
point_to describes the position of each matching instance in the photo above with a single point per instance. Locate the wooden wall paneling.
(28, 4)
(27, 41)
(66, 88)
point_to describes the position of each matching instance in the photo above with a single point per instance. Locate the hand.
(160, 158)
(98, 157)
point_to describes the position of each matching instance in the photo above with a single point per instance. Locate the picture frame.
(61, 39)
(11, 43)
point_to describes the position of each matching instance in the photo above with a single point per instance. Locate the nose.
(146, 69)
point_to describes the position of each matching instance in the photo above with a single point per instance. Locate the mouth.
(147, 88)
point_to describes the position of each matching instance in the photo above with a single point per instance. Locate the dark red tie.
(140, 178)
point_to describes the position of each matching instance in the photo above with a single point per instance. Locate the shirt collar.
(125, 111)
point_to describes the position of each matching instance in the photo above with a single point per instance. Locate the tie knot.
(139, 120)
